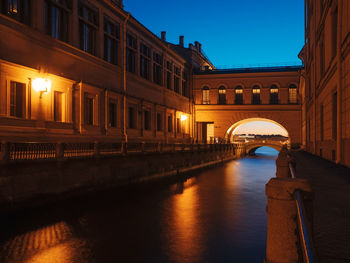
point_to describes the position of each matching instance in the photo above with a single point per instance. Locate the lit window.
(222, 95)
(16, 9)
(205, 95)
(256, 95)
(292, 94)
(274, 94)
(238, 95)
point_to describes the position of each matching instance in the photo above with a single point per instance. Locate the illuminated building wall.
(226, 97)
(326, 80)
(110, 77)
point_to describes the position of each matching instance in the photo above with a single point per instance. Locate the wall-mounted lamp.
(183, 117)
(41, 85)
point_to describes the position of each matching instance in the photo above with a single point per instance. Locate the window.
(147, 119)
(256, 95)
(169, 67)
(58, 106)
(170, 123)
(205, 95)
(89, 110)
(56, 14)
(177, 79)
(130, 53)
(111, 41)
(178, 125)
(222, 95)
(292, 94)
(144, 61)
(334, 32)
(322, 54)
(17, 99)
(157, 68)
(88, 23)
(112, 117)
(238, 95)
(184, 84)
(273, 94)
(132, 118)
(322, 122)
(334, 115)
(159, 122)
(17, 9)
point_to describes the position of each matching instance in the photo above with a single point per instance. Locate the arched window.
(256, 95)
(205, 95)
(238, 95)
(222, 95)
(292, 94)
(273, 94)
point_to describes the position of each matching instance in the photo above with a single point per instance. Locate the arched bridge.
(252, 145)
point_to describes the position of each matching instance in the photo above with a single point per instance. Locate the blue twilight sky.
(232, 32)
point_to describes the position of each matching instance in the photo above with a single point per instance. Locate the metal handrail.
(307, 248)
(15, 151)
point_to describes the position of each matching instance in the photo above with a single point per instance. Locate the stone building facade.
(225, 99)
(88, 70)
(325, 82)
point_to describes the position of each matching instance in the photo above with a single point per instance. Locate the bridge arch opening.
(258, 132)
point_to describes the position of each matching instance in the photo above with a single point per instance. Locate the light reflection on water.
(217, 216)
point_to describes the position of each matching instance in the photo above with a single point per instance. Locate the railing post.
(96, 149)
(159, 147)
(59, 151)
(281, 245)
(124, 148)
(143, 147)
(5, 152)
(282, 164)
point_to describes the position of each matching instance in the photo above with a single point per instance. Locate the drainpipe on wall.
(124, 77)
(339, 86)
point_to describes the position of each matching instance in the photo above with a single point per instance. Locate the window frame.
(89, 21)
(111, 53)
(205, 95)
(256, 91)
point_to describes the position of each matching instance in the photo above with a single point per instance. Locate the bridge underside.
(250, 150)
(226, 118)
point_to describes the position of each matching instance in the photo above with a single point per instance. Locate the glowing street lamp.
(41, 85)
(183, 117)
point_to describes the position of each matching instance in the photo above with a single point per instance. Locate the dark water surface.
(216, 216)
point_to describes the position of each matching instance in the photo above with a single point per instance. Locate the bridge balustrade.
(26, 151)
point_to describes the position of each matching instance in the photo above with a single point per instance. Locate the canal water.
(219, 215)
